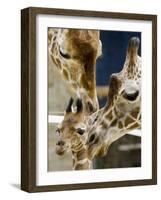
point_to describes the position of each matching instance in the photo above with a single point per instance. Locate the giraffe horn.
(69, 107)
(79, 105)
(132, 50)
(134, 43)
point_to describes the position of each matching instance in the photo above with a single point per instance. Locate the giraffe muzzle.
(60, 147)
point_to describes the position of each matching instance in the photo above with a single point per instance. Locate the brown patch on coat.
(134, 113)
(109, 115)
(104, 125)
(65, 74)
(134, 126)
(128, 121)
(114, 122)
(120, 125)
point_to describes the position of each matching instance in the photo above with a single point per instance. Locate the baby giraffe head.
(122, 111)
(71, 130)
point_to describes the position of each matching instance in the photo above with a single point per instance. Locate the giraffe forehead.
(86, 35)
(73, 120)
(128, 83)
(80, 41)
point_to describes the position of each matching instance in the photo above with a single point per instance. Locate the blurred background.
(125, 152)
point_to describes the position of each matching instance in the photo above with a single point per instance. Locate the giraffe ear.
(114, 86)
(69, 107)
(79, 105)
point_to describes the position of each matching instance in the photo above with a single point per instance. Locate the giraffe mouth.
(60, 148)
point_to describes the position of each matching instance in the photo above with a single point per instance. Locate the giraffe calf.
(71, 136)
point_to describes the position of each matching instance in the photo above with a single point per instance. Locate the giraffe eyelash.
(64, 55)
(80, 131)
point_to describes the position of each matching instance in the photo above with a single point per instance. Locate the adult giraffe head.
(74, 53)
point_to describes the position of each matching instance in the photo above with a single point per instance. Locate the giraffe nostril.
(60, 143)
(92, 137)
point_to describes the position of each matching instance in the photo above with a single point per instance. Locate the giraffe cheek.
(122, 106)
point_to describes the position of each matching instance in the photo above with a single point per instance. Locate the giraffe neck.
(118, 123)
(80, 159)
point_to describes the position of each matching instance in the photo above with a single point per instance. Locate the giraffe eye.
(64, 55)
(132, 96)
(80, 131)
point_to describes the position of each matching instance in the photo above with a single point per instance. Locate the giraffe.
(72, 137)
(74, 54)
(122, 112)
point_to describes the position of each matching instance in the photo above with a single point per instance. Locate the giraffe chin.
(102, 151)
(94, 152)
